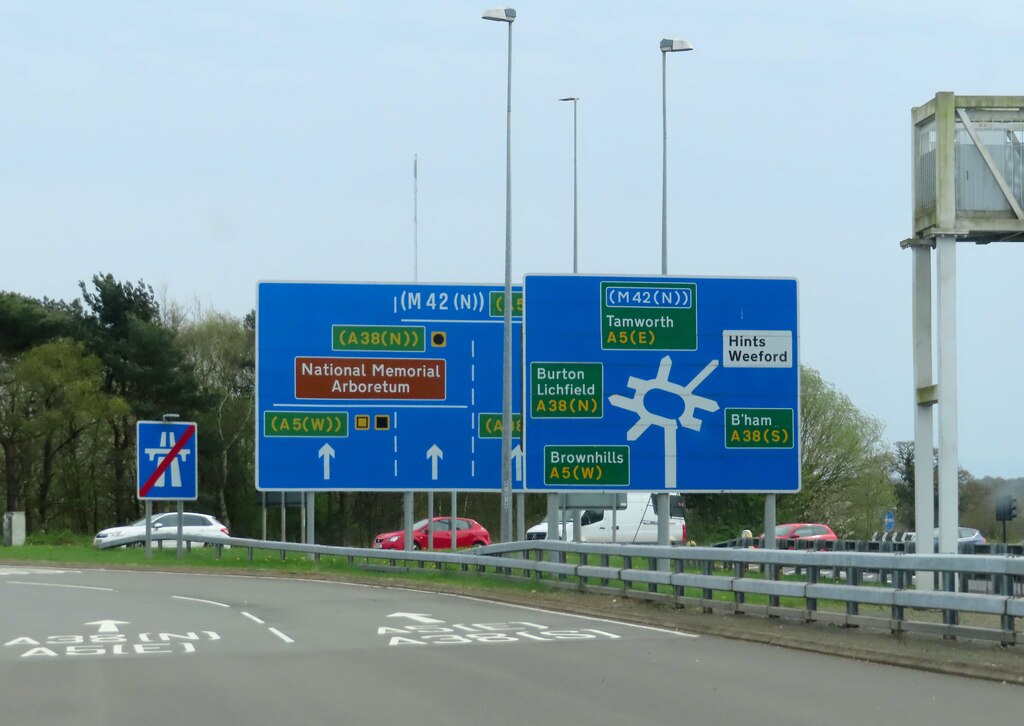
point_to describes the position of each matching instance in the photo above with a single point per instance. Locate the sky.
(202, 146)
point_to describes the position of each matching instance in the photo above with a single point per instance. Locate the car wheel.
(416, 546)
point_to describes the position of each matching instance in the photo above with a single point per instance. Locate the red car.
(469, 533)
(804, 530)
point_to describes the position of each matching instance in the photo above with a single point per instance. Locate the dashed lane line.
(280, 635)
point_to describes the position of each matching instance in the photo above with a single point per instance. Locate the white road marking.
(54, 584)
(108, 626)
(280, 635)
(253, 618)
(196, 599)
(415, 617)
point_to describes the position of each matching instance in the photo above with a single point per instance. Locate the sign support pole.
(455, 514)
(924, 506)
(149, 529)
(407, 519)
(181, 525)
(311, 521)
(945, 246)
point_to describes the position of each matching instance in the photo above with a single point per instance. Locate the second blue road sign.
(661, 384)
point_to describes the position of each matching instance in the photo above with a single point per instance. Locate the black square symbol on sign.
(382, 422)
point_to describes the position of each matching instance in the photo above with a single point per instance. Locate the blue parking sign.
(168, 456)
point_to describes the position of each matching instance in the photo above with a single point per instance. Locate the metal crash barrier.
(974, 595)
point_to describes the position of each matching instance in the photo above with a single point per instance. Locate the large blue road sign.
(661, 384)
(167, 460)
(383, 386)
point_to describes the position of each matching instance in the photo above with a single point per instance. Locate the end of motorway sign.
(167, 460)
(661, 384)
(382, 386)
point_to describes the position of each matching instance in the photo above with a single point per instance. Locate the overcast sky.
(202, 146)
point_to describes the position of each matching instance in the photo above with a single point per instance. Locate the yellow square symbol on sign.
(362, 422)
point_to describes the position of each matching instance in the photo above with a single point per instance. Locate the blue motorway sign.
(167, 460)
(889, 521)
(383, 386)
(661, 384)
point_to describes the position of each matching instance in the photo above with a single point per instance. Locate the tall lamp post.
(575, 196)
(553, 499)
(667, 46)
(507, 15)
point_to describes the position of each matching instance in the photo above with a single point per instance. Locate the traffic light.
(1006, 508)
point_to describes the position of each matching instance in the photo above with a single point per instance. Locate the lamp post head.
(669, 45)
(570, 98)
(502, 15)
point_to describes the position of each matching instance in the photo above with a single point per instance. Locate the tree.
(901, 474)
(143, 364)
(62, 387)
(221, 350)
(844, 463)
(25, 322)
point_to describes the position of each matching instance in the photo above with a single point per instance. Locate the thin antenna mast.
(415, 219)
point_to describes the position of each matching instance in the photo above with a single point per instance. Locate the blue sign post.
(382, 387)
(661, 384)
(167, 460)
(889, 521)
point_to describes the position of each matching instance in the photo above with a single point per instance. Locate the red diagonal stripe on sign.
(166, 461)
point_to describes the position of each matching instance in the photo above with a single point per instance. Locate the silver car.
(165, 526)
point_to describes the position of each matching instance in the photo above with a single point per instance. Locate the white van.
(636, 524)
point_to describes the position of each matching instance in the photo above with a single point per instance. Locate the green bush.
(58, 537)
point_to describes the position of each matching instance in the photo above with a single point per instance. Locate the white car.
(165, 526)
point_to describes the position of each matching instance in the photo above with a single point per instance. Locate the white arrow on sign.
(417, 617)
(326, 453)
(517, 457)
(434, 453)
(108, 626)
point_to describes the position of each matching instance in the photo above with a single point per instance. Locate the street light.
(575, 198)
(668, 45)
(507, 15)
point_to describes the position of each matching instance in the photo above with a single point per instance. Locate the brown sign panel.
(407, 379)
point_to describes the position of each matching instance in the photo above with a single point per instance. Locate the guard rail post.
(738, 598)
(773, 574)
(707, 568)
(605, 562)
(852, 579)
(949, 617)
(678, 591)
(896, 612)
(813, 573)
